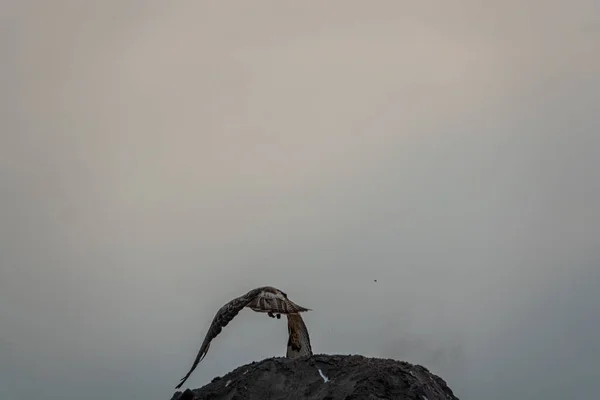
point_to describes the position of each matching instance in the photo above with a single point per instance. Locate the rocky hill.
(330, 377)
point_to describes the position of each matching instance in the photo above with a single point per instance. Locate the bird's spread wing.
(299, 340)
(264, 299)
(274, 301)
(223, 317)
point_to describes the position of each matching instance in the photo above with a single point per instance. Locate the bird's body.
(299, 340)
(271, 300)
(266, 299)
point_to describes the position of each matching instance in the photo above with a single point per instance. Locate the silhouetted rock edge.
(323, 376)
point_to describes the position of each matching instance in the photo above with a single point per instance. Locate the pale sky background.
(159, 158)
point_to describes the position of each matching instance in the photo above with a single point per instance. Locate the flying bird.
(298, 341)
(266, 299)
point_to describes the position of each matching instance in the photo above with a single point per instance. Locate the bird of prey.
(266, 299)
(299, 341)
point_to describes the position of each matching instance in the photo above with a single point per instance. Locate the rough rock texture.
(340, 377)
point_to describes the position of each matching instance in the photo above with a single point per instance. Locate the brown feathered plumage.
(266, 299)
(299, 341)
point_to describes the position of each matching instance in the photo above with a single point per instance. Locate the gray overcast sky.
(159, 158)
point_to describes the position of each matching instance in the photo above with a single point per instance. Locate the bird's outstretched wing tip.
(182, 381)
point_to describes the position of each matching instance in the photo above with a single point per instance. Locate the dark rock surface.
(340, 377)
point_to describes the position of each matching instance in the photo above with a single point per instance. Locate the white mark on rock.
(245, 372)
(325, 379)
(425, 398)
(229, 381)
